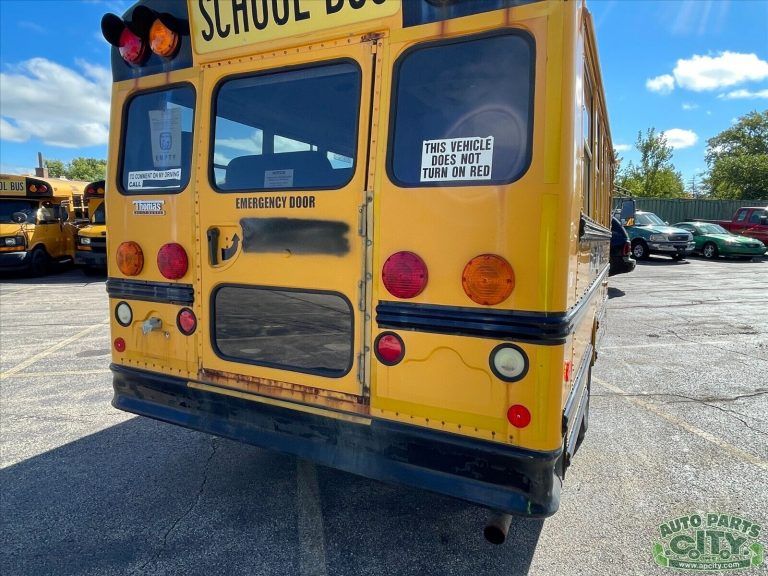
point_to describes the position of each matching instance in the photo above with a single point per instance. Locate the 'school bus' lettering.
(222, 24)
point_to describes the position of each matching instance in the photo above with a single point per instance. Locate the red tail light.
(627, 250)
(172, 261)
(404, 275)
(389, 348)
(518, 416)
(119, 344)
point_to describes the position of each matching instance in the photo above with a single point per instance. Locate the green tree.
(655, 175)
(738, 159)
(85, 169)
(56, 168)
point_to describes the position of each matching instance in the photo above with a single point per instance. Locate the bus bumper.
(512, 480)
(91, 259)
(15, 260)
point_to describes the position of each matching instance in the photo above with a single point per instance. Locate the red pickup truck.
(749, 221)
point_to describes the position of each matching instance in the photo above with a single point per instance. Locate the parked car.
(621, 260)
(712, 240)
(750, 221)
(649, 234)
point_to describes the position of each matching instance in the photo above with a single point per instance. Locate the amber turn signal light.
(130, 258)
(488, 279)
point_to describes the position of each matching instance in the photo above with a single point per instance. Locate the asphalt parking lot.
(678, 424)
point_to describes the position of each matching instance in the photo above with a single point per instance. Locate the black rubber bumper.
(91, 259)
(15, 260)
(516, 481)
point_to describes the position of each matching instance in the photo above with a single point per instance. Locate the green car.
(712, 240)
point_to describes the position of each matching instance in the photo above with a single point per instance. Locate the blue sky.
(686, 67)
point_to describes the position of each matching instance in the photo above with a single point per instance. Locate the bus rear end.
(353, 232)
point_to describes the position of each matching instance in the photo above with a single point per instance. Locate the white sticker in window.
(457, 159)
(278, 178)
(165, 126)
(144, 179)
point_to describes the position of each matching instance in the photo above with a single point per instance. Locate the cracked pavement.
(678, 424)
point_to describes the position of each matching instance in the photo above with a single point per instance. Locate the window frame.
(267, 72)
(393, 108)
(324, 373)
(124, 132)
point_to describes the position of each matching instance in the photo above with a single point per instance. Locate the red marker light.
(389, 348)
(119, 344)
(518, 416)
(186, 321)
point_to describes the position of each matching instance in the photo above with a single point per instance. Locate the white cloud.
(58, 105)
(700, 73)
(687, 106)
(663, 84)
(680, 138)
(743, 94)
(251, 145)
(622, 147)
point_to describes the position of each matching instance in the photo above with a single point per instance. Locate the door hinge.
(362, 224)
(361, 295)
(361, 368)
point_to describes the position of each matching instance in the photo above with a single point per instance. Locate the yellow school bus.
(36, 230)
(91, 238)
(373, 234)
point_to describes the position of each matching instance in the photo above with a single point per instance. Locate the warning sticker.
(146, 179)
(457, 159)
(278, 178)
(165, 126)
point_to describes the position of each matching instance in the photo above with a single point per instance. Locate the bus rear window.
(157, 143)
(291, 129)
(463, 112)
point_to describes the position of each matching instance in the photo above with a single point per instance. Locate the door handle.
(213, 246)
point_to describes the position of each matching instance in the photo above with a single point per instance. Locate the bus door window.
(157, 146)
(99, 215)
(294, 129)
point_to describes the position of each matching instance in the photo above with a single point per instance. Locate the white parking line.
(733, 450)
(312, 560)
(32, 359)
(675, 344)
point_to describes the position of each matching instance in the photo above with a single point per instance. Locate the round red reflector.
(186, 321)
(389, 348)
(404, 275)
(119, 344)
(172, 261)
(518, 416)
(132, 48)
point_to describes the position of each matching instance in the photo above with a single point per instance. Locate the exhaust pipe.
(496, 529)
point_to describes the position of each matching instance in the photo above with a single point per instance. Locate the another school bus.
(91, 239)
(373, 234)
(36, 231)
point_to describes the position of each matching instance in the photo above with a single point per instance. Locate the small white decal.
(278, 178)
(456, 159)
(149, 207)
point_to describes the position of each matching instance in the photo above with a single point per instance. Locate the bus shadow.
(146, 497)
(63, 275)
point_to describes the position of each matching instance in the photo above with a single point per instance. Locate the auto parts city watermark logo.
(709, 542)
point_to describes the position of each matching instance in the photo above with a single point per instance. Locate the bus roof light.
(488, 279)
(162, 39)
(172, 261)
(404, 275)
(132, 48)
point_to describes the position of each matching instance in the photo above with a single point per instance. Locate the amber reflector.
(130, 258)
(488, 279)
(162, 40)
